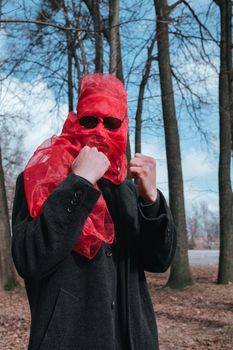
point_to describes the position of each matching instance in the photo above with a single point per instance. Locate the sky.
(199, 160)
(199, 167)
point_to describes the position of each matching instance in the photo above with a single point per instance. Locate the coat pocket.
(64, 313)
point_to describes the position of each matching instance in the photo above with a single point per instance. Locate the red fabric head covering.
(102, 95)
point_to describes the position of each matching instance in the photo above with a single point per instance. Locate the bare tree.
(180, 275)
(7, 272)
(203, 223)
(98, 37)
(225, 272)
(145, 77)
(113, 24)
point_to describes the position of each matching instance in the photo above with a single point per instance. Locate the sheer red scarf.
(101, 95)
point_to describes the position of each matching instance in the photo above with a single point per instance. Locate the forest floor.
(199, 317)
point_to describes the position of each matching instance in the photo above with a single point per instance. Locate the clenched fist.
(143, 168)
(90, 164)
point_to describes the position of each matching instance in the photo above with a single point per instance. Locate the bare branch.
(201, 25)
(41, 23)
(173, 6)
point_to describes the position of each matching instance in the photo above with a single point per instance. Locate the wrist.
(84, 176)
(150, 198)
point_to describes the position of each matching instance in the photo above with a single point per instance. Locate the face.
(101, 120)
(103, 124)
(108, 134)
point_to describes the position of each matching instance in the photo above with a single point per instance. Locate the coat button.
(74, 201)
(68, 209)
(113, 304)
(108, 253)
(77, 194)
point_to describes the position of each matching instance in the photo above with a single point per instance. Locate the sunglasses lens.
(88, 122)
(112, 123)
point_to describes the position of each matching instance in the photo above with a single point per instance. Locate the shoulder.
(19, 178)
(19, 186)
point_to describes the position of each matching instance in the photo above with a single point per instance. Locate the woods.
(165, 52)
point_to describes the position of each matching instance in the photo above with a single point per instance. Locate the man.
(83, 235)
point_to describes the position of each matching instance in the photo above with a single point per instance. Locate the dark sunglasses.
(110, 123)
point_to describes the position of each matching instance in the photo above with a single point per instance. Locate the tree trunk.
(114, 36)
(180, 275)
(115, 65)
(98, 38)
(138, 117)
(7, 274)
(225, 272)
(69, 61)
(70, 73)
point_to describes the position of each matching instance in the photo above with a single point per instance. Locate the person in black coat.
(83, 235)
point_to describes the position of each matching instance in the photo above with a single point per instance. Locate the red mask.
(103, 98)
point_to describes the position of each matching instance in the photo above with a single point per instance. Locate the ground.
(199, 317)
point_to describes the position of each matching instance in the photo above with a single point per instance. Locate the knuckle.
(153, 161)
(146, 170)
(150, 166)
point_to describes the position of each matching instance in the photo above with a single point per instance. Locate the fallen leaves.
(199, 317)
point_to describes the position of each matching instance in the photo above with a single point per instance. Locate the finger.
(135, 171)
(144, 157)
(104, 156)
(143, 162)
(135, 163)
(141, 171)
(94, 149)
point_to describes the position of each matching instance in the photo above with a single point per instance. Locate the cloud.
(196, 164)
(202, 78)
(199, 174)
(33, 108)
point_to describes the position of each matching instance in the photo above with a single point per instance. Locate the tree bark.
(69, 60)
(180, 275)
(114, 35)
(115, 65)
(225, 271)
(98, 38)
(138, 117)
(7, 274)
(70, 72)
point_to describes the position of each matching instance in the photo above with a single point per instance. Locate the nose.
(100, 129)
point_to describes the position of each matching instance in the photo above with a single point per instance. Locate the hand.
(90, 164)
(143, 168)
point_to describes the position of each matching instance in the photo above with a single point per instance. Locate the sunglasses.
(109, 123)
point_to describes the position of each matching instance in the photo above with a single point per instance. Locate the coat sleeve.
(40, 244)
(157, 236)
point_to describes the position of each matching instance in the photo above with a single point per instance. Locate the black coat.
(77, 304)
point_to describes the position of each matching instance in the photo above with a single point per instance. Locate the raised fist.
(143, 168)
(90, 164)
